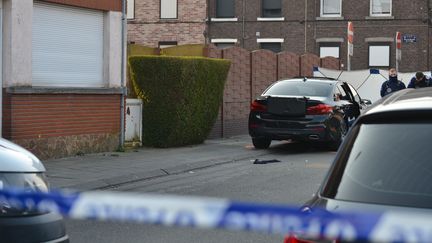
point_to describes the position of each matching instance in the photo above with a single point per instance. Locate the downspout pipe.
(243, 22)
(429, 9)
(207, 40)
(123, 79)
(305, 26)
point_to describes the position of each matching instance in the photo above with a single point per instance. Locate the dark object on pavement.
(384, 162)
(262, 162)
(304, 109)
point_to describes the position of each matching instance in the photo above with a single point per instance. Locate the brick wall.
(264, 70)
(237, 91)
(408, 17)
(59, 125)
(250, 73)
(148, 29)
(150, 34)
(288, 65)
(307, 62)
(330, 63)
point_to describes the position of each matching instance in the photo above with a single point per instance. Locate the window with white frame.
(381, 8)
(271, 8)
(331, 8)
(130, 11)
(329, 50)
(166, 44)
(225, 9)
(272, 46)
(379, 55)
(168, 9)
(224, 43)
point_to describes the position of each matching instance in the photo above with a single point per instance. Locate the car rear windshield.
(300, 88)
(389, 164)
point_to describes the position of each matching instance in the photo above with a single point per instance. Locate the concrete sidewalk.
(104, 170)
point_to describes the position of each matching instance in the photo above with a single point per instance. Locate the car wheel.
(261, 143)
(343, 129)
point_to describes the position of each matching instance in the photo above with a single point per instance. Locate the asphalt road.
(291, 181)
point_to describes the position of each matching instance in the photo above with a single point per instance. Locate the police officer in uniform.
(420, 81)
(392, 84)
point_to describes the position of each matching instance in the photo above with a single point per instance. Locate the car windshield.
(389, 164)
(300, 88)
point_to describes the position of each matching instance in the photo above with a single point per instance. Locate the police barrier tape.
(390, 226)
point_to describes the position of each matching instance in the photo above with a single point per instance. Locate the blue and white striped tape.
(391, 226)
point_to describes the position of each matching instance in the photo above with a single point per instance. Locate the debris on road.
(262, 162)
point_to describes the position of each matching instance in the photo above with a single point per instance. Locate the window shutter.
(67, 46)
(272, 4)
(168, 9)
(225, 9)
(130, 9)
(331, 7)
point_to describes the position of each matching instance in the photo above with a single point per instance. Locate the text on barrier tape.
(391, 226)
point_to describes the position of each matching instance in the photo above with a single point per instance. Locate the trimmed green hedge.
(181, 97)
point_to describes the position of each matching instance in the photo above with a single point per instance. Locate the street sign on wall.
(406, 38)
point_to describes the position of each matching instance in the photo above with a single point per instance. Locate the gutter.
(122, 86)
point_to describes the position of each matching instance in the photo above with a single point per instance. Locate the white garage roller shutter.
(67, 46)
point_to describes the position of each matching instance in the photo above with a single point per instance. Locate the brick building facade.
(320, 26)
(62, 75)
(302, 32)
(159, 23)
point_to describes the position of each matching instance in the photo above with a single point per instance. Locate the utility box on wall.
(133, 133)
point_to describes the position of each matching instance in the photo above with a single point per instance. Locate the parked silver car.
(384, 163)
(20, 168)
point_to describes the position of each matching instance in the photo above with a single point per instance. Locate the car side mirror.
(366, 102)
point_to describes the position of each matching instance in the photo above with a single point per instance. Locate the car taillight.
(294, 239)
(320, 109)
(256, 106)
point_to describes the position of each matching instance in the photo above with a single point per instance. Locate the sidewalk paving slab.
(105, 170)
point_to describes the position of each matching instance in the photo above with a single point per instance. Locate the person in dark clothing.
(392, 84)
(420, 81)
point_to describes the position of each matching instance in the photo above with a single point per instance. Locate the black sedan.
(304, 109)
(384, 162)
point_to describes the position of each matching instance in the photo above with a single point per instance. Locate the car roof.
(315, 79)
(407, 100)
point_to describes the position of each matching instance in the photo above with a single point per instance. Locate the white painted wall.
(112, 48)
(17, 32)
